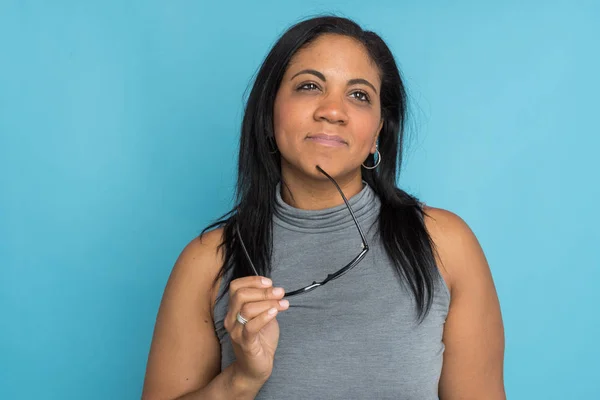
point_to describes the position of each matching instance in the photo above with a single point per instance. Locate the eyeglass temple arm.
(303, 290)
(237, 231)
(362, 236)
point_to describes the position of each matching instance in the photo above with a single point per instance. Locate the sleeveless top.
(357, 336)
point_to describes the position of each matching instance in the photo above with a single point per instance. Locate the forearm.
(228, 385)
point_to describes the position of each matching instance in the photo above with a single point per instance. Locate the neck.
(310, 193)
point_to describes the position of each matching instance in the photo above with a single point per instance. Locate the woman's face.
(327, 110)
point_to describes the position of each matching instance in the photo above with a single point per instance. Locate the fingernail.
(272, 311)
(284, 303)
(266, 281)
(278, 291)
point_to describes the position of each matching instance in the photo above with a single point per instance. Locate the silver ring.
(241, 319)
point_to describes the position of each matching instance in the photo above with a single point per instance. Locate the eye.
(361, 96)
(307, 86)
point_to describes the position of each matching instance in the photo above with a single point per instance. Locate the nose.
(332, 110)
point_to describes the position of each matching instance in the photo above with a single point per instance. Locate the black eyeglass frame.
(335, 275)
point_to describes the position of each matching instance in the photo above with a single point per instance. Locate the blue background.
(118, 133)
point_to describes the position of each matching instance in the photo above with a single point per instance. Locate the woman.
(408, 309)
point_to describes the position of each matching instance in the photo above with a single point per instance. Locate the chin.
(335, 171)
(308, 167)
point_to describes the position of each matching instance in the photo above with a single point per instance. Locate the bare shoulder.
(444, 224)
(204, 246)
(200, 262)
(185, 352)
(473, 331)
(458, 249)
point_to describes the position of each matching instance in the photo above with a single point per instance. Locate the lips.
(324, 138)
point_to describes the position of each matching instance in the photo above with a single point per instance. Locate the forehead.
(336, 55)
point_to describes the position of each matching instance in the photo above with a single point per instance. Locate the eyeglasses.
(335, 275)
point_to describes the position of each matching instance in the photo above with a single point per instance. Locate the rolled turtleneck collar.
(364, 205)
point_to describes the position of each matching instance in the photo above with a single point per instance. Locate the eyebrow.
(322, 77)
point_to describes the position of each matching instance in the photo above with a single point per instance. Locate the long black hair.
(401, 219)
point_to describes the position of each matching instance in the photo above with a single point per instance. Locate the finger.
(253, 327)
(249, 295)
(237, 284)
(252, 310)
(239, 332)
(249, 281)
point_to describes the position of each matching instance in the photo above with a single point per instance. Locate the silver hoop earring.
(378, 160)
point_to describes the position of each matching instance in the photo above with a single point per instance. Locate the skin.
(331, 92)
(184, 358)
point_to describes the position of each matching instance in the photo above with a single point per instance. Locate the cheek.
(367, 125)
(289, 119)
(366, 128)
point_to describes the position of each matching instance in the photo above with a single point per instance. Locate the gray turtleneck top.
(357, 337)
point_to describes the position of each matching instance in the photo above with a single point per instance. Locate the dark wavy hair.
(401, 219)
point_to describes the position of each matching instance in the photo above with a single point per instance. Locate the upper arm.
(185, 352)
(473, 333)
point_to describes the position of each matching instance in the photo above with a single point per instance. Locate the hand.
(254, 344)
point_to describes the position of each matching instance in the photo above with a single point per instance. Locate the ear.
(374, 146)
